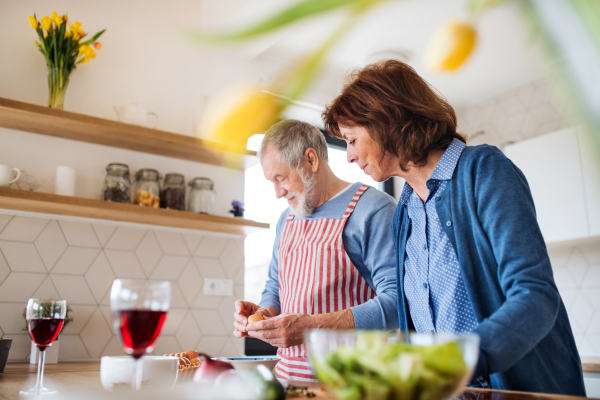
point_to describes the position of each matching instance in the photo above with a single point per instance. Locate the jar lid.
(175, 178)
(118, 169)
(147, 173)
(117, 166)
(202, 183)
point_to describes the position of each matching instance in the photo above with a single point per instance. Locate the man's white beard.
(305, 201)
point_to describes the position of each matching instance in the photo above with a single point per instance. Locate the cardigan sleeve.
(504, 206)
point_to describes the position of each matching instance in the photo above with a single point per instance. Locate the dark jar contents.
(116, 183)
(172, 195)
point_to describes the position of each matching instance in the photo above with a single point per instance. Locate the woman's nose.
(351, 157)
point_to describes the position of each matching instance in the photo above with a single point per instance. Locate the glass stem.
(40, 372)
(43, 363)
(138, 374)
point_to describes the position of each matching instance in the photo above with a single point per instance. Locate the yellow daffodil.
(33, 22)
(98, 45)
(46, 23)
(76, 29)
(45, 35)
(239, 113)
(450, 46)
(56, 19)
(87, 52)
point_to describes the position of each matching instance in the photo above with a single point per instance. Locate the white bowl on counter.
(158, 372)
(249, 363)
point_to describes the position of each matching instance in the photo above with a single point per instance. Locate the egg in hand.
(255, 318)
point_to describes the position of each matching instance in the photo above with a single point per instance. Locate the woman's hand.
(284, 330)
(244, 309)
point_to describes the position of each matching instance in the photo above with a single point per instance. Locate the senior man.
(333, 264)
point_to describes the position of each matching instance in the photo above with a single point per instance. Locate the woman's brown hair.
(403, 114)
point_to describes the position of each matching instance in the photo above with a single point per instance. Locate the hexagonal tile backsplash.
(77, 260)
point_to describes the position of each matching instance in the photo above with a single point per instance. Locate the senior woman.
(469, 252)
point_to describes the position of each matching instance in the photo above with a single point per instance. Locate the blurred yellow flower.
(56, 19)
(450, 46)
(87, 52)
(46, 23)
(33, 22)
(239, 113)
(76, 29)
(98, 45)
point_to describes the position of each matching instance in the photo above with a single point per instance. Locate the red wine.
(43, 331)
(139, 329)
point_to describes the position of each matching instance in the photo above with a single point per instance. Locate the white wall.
(143, 58)
(528, 111)
(76, 259)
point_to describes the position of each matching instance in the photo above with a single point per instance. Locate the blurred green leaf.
(295, 12)
(478, 5)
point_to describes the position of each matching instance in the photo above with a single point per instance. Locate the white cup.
(6, 175)
(65, 181)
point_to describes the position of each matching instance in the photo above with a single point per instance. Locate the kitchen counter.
(66, 377)
(590, 364)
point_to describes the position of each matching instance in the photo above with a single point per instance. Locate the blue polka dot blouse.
(433, 283)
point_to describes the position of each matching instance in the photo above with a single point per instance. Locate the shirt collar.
(443, 170)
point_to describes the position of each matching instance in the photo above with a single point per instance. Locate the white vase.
(51, 354)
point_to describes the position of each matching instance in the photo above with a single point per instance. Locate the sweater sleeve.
(507, 214)
(270, 295)
(371, 249)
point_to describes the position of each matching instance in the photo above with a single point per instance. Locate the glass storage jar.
(146, 191)
(172, 195)
(116, 183)
(202, 196)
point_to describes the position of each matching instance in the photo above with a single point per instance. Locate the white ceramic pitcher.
(136, 115)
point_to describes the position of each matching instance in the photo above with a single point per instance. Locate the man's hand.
(284, 330)
(244, 309)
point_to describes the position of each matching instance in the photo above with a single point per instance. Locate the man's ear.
(312, 159)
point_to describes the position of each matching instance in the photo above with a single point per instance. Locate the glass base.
(36, 391)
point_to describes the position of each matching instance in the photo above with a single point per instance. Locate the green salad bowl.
(381, 365)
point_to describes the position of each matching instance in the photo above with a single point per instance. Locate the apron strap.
(354, 200)
(351, 206)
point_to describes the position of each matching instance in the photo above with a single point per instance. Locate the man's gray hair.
(290, 139)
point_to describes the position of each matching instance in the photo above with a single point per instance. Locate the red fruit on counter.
(210, 369)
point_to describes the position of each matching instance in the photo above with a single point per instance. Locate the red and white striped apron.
(316, 276)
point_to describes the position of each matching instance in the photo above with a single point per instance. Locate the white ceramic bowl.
(249, 363)
(157, 372)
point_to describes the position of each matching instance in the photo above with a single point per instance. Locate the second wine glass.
(45, 319)
(139, 311)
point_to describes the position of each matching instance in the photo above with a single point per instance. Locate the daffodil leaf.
(93, 39)
(295, 12)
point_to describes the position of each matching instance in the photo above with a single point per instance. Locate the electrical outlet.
(218, 287)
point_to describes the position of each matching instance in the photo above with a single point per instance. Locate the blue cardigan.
(488, 214)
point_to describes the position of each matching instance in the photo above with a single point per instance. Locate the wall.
(528, 111)
(39, 155)
(577, 274)
(76, 259)
(144, 58)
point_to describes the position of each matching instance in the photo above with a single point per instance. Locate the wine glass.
(45, 319)
(139, 311)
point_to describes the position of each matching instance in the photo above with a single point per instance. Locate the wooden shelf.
(68, 125)
(22, 200)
